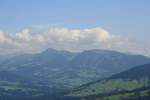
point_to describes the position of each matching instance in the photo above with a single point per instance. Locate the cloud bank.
(61, 38)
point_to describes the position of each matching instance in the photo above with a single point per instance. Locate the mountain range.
(52, 72)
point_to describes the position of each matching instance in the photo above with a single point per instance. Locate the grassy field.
(108, 86)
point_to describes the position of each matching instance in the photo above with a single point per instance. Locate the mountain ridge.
(133, 81)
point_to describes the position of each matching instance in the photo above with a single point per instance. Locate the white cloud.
(24, 35)
(2, 37)
(30, 40)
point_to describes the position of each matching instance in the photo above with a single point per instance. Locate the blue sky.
(126, 17)
(74, 25)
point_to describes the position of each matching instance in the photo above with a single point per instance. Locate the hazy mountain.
(67, 70)
(133, 84)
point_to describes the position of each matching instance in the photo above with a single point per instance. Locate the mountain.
(133, 84)
(67, 70)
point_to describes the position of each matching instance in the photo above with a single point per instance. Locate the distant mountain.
(133, 84)
(4, 57)
(67, 70)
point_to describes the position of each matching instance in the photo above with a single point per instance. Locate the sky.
(115, 22)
